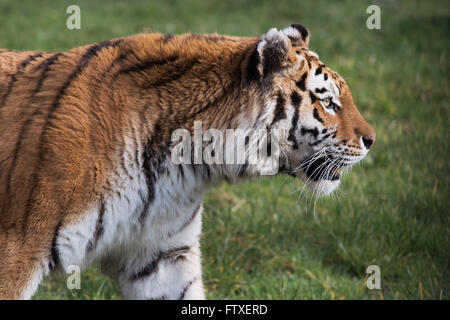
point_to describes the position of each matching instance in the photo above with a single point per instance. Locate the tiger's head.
(323, 129)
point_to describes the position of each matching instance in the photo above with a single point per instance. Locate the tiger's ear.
(276, 50)
(298, 34)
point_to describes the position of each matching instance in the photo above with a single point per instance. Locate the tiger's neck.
(210, 87)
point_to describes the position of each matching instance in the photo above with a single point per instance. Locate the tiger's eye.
(327, 102)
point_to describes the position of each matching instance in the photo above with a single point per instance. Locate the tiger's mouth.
(321, 168)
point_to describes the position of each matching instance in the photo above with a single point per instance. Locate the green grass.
(259, 242)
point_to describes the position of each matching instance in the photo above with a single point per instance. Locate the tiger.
(86, 136)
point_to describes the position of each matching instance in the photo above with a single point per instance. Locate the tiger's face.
(323, 129)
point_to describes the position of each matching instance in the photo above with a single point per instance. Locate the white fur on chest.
(124, 234)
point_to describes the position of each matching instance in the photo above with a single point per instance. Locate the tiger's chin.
(320, 176)
(320, 187)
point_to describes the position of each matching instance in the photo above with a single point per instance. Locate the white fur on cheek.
(318, 82)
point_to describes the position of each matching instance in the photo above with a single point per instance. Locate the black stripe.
(150, 179)
(309, 63)
(313, 132)
(181, 170)
(148, 201)
(13, 77)
(163, 297)
(336, 108)
(303, 31)
(29, 60)
(154, 156)
(269, 148)
(301, 83)
(325, 77)
(312, 96)
(127, 52)
(54, 250)
(243, 169)
(179, 72)
(147, 270)
(99, 228)
(322, 90)
(46, 64)
(149, 64)
(186, 288)
(320, 140)
(280, 113)
(319, 70)
(316, 115)
(296, 99)
(252, 72)
(83, 63)
(152, 267)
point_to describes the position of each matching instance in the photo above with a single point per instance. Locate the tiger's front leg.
(174, 274)
(170, 270)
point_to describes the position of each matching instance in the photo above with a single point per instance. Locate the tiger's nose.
(368, 141)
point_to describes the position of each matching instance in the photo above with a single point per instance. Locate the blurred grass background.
(260, 241)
